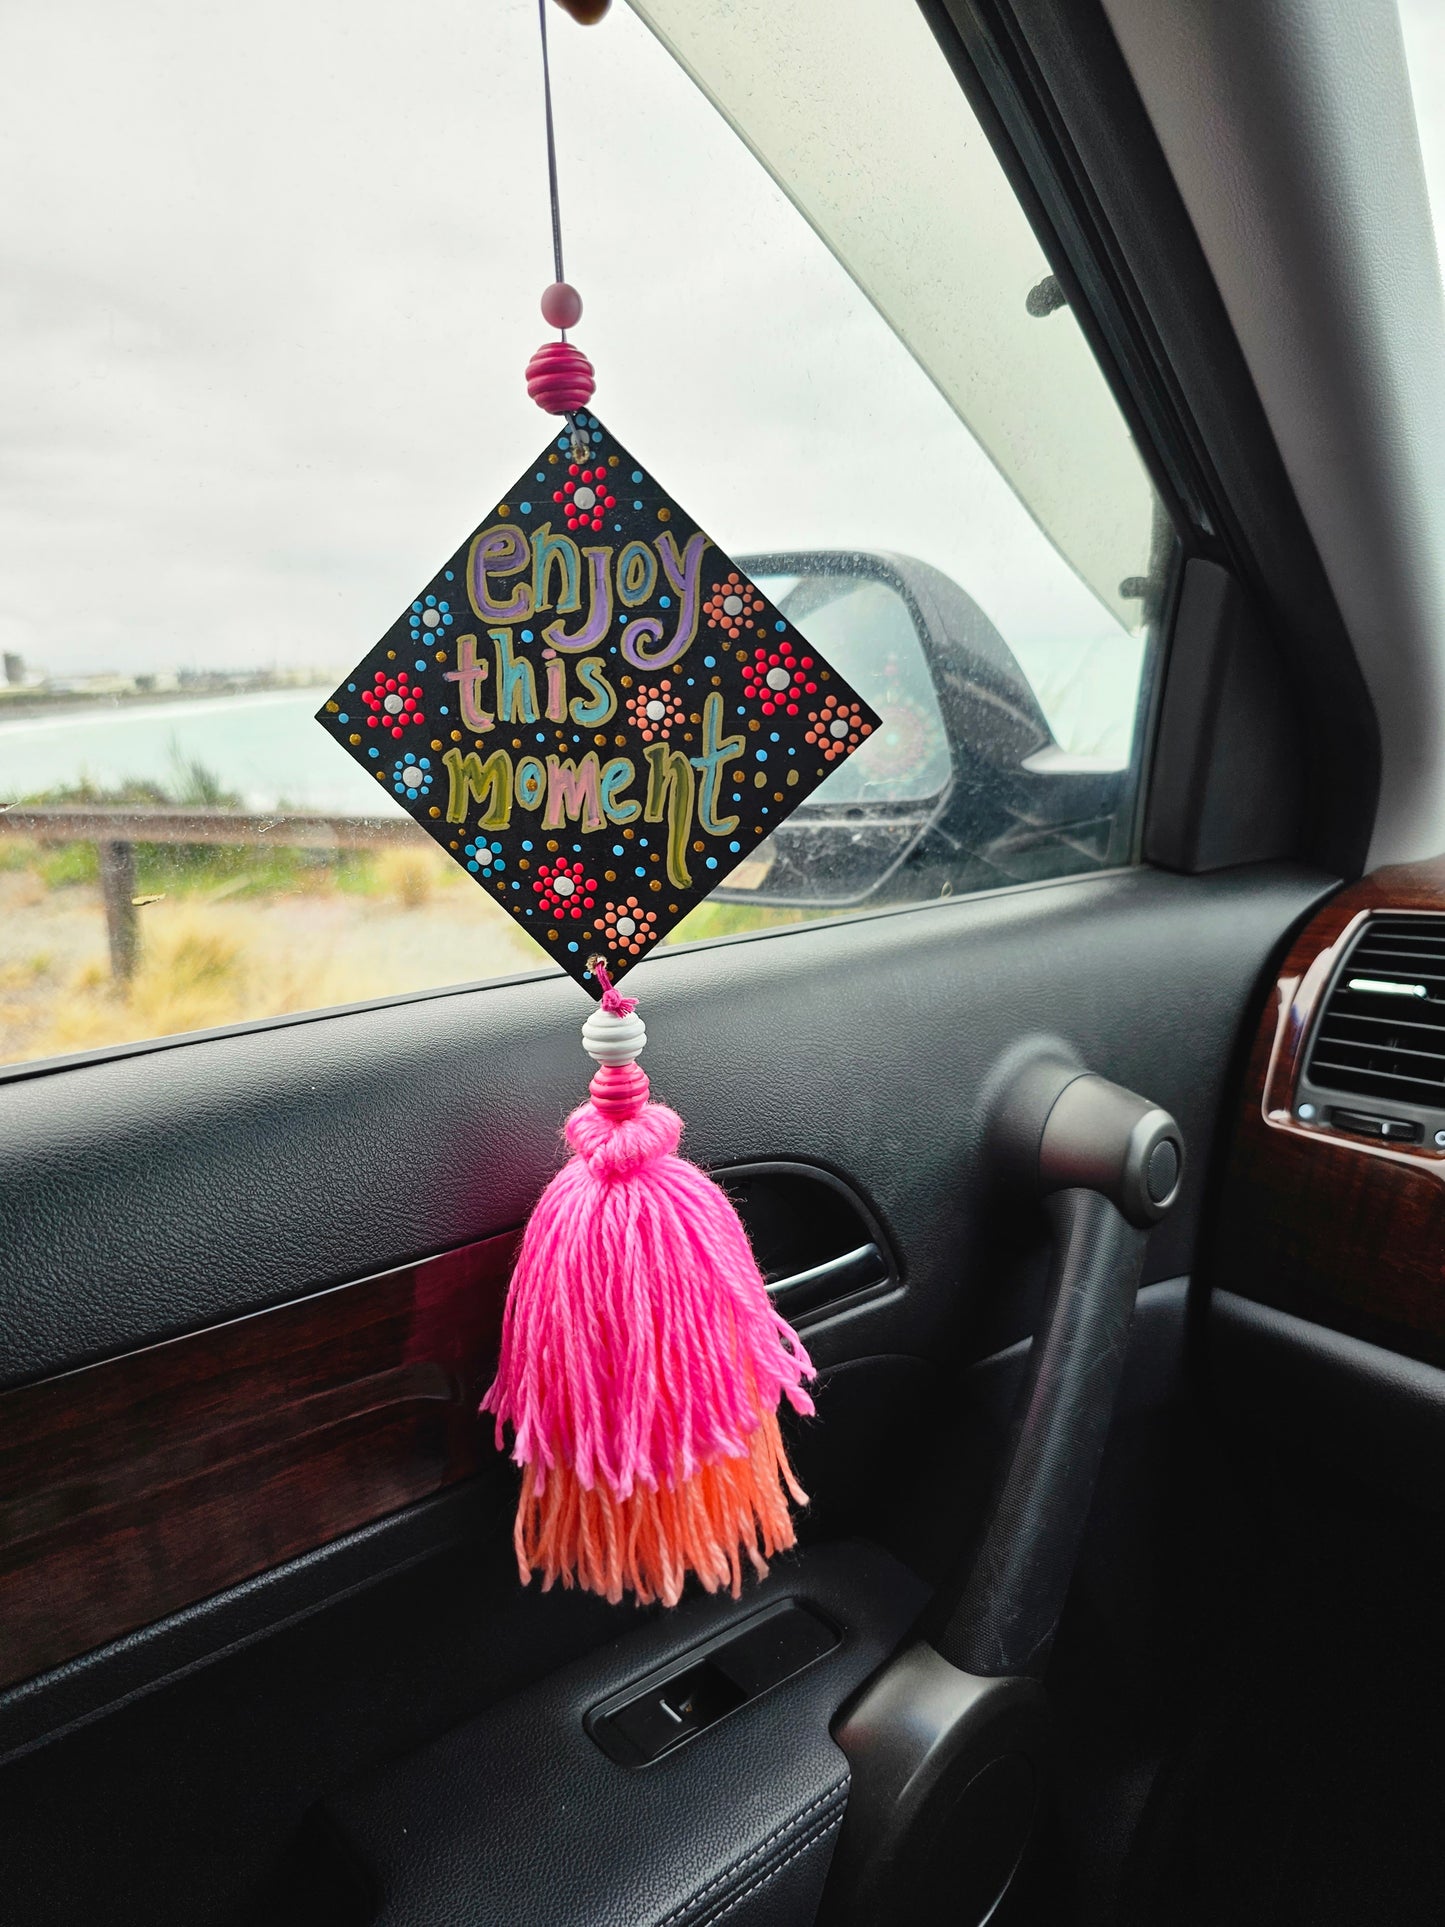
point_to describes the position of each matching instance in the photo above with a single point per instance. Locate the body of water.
(268, 749)
(265, 747)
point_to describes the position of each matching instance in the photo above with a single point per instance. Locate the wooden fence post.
(116, 830)
(117, 884)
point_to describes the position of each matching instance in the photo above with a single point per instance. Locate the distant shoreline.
(262, 746)
(28, 706)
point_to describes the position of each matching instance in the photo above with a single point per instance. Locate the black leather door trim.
(144, 1196)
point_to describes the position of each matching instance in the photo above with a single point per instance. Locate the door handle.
(1108, 1165)
(948, 1746)
(857, 1270)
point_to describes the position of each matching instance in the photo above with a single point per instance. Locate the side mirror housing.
(963, 786)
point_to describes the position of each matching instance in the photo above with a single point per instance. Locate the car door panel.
(268, 1168)
(448, 1835)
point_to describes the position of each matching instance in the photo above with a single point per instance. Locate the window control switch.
(679, 1701)
(664, 1716)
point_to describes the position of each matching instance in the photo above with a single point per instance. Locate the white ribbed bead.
(613, 1040)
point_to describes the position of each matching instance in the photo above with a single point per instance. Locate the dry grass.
(23, 973)
(191, 976)
(217, 957)
(413, 877)
(220, 948)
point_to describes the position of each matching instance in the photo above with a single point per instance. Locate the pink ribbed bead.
(560, 378)
(618, 1091)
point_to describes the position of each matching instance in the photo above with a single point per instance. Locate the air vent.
(1381, 1034)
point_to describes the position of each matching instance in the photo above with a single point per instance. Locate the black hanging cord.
(580, 444)
(551, 144)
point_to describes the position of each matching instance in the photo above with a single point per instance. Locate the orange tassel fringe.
(648, 1542)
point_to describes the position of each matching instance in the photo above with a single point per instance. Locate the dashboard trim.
(1313, 1221)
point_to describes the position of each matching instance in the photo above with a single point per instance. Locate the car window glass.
(271, 299)
(1423, 25)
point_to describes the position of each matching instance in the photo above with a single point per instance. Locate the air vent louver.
(1382, 1031)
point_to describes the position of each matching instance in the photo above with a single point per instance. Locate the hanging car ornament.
(598, 715)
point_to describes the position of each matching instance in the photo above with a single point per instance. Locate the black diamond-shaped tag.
(593, 710)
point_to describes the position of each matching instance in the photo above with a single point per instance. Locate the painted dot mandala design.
(483, 858)
(733, 602)
(411, 775)
(837, 728)
(655, 709)
(394, 702)
(627, 926)
(776, 679)
(585, 496)
(564, 888)
(597, 777)
(430, 618)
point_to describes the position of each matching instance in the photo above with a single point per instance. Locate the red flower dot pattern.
(655, 710)
(775, 679)
(627, 927)
(732, 603)
(394, 702)
(837, 728)
(565, 889)
(585, 496)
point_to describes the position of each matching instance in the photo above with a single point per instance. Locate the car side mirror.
(962, 786)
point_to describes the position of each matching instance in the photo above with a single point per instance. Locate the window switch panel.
(657, 1714)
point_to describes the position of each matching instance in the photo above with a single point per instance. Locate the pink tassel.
(642, 1362)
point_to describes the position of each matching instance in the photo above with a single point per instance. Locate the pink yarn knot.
(619, 1145)
(560, 378)
(613, 1001)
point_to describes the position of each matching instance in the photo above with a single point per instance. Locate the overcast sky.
(269, 280)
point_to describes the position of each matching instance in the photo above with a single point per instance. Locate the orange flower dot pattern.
(627, 927)
(732, 603)
(837, 728)
(655, 710)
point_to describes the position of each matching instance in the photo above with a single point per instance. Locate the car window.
(1423, 26)
(263, 356)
